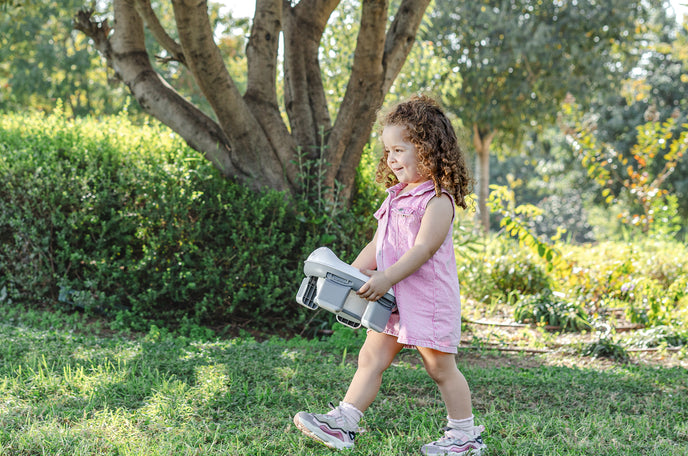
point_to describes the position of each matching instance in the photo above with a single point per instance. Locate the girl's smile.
(402, 156)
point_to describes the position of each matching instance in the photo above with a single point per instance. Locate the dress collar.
(425, 187)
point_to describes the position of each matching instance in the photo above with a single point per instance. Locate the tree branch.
(261, 93)
(482, 142)
(125, 52)
(98, 31)
(261, 51)
(377, 62)
(316, 90)
(363, 96)
(304, 94)
(205, 63)
(145, 10)
(401, 36)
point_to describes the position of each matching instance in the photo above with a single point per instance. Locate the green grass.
(66, 391)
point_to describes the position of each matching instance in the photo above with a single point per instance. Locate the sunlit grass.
(66, 391)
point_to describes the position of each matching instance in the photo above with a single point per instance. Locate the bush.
(647, 278)
(130, 222)
(606, 347)
(651, 303)
(504, 269)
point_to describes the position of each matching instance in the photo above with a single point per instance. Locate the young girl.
(412, 252)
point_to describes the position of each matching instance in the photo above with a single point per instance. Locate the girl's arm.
(366, 260)
(434, 227)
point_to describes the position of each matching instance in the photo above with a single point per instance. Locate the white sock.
(349, 412)
(465, 425)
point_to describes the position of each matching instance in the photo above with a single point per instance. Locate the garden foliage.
(128, 221)
(552, 310)
(568, 286)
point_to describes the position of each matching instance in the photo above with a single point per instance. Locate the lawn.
(66, 390)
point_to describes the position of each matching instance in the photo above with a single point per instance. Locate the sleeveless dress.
(428, 301)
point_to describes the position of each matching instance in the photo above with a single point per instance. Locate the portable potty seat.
(332, 284)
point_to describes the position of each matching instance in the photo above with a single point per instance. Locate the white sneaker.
(456, 442)
(332, 431)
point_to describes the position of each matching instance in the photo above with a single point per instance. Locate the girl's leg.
(462, 436)
(338, 428)
(376, 355)
(453, 386)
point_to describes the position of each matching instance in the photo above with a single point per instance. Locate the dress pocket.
(407, 218)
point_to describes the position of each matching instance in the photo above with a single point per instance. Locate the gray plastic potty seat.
(332, 284)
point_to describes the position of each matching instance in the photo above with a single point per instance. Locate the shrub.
(503, 269)
(651, 303)
(659, 335)
(645, 276)
(128, 221)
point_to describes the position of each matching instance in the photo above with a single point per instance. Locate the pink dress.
(428, 300)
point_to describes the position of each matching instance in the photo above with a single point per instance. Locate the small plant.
(322, 208)
(651, 303)
(605, 347)
(552, 309)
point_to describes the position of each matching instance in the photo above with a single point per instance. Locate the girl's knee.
(378, 352)
(438, 365)
(369, 359)
(436, 372)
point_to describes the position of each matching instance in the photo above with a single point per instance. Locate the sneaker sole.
(313, 435)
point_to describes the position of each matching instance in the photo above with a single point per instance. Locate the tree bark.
(174, 49)
(377, 62)
(305, 100)
(258, 159)
(482, 142)
(261, 92)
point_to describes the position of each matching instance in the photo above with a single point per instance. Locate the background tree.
(42, 59)
(657, 89)
(250, 140)
(519, 58)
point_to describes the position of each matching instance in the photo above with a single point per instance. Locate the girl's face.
(402, 155)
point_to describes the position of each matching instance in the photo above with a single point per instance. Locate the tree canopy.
(43, 60)
(519, 58)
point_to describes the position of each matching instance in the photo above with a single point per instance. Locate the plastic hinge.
(386, 303)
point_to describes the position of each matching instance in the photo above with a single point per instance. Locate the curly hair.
(439, 155)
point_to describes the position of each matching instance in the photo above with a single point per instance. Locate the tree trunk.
(357, 113)
(250, 140)
(482, 141)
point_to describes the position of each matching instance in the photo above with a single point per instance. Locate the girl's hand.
(376, 286)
